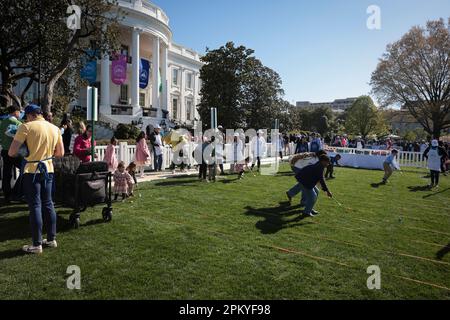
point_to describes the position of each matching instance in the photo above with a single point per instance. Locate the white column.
(155, 73)
(164, 78)
(105, 99)
(136, 58)
(182, 115)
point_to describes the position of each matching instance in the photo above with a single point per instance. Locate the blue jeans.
(295, 190)
(158, 162)
(40, 204)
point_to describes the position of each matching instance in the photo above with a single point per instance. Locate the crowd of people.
(30, 143)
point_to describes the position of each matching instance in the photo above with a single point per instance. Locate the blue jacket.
(311, 175)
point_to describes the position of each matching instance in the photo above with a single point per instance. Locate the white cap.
(260, 131)
(236, 135)
(157, 126)
(435, 143)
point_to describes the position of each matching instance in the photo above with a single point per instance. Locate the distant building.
(401, 121)
(338, 105)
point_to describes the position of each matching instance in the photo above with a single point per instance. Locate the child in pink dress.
(123, 182)
(142, 153)
(110, 155)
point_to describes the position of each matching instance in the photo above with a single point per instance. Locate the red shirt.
(82, 148)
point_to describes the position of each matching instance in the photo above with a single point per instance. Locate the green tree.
(246, 93)
(415, 72)
(36, 44)
(364, 118)
(316, 119)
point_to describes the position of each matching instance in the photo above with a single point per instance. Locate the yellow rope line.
(419, 282)
(308, 255)
(432, 231)
(314, 257)
(432, 244)
(374, 249)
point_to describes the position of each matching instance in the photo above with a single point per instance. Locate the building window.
(142, 99)
(124, 94)
(189, 109)
(175, 76)
(189, 81)
(175, 108)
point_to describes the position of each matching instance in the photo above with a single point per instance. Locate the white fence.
(405, 159)
(126, 153)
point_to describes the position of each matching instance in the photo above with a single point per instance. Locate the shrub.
(126, 132)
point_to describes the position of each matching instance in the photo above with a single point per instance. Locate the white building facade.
(338, 105)
(171, 96)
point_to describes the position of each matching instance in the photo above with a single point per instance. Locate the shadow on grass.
(12, 209)
(419, 188)
(175, 183)
(377, 185)
(274, 217)
(18, 228)
(444, 251)
(11, 254)
(435, 194)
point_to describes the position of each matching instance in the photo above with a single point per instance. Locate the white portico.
(172, 93)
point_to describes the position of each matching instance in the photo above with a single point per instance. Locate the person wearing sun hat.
(434, 154)
(44, 142)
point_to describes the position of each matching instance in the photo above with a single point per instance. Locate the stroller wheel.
(74, 221)
(107, 214)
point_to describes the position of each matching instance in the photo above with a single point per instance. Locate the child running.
(123, 183)
(389, 165)
(334, 160)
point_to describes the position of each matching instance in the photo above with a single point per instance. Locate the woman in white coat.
(259, 147)
(236, 155)
(434, 155)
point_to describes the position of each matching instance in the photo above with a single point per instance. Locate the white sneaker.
(32, 249)
(50, 244)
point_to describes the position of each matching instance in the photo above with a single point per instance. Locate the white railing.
(126, 153)
(405, 159)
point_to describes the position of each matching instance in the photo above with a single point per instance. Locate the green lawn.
(183, 239)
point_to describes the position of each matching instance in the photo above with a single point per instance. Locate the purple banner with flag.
(144, 72)
(119, 70)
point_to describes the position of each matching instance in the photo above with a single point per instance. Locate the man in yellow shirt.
(44, 142)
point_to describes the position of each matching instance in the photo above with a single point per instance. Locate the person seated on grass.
(389, 165)
(334, 160)
(308, 178)
(123, 182)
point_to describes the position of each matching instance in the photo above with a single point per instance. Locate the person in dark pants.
(334, 160)
(9, 163)
(307, 179)
(302, 146)
(434, 155)
(44, 142)
(156, 141)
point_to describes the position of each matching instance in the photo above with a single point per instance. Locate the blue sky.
(321, 48)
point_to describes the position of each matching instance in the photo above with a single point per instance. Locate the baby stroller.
(82, 185)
